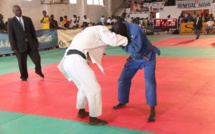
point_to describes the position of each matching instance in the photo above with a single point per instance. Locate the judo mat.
(185, 92)
(186, 42)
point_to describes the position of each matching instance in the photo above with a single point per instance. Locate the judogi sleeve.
(111, 38)
(137, 40)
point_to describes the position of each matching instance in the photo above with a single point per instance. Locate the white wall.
(34, 8)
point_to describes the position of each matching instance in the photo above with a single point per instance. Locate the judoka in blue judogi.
(143, 54)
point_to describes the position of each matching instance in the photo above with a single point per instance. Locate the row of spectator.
(65, 23)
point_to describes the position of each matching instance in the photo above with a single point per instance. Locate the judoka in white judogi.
(93, 40)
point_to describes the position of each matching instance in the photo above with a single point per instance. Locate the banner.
(156, 6)
(65, 37)
(147, 7)
(187, 4)
(188, 29)
(47, 38)
(135, 7)
(4, 44)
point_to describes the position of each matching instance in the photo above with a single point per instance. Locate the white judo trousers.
(89, 90)
(94, 41)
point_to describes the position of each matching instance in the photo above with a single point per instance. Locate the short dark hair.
(120, 28)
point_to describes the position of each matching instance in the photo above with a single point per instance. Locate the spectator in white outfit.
(86, 21)
(109, 21)
(102, 20)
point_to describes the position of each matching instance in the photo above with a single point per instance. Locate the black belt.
(73, 51)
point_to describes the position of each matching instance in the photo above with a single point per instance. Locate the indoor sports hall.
(185, 70)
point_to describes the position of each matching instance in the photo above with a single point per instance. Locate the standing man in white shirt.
(89, 45)
(197, 26)
(102, 20)
(209, 26)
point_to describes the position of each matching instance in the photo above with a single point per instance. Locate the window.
(95, 2)
(101, 2)
(157, 15)
(73, 1)
(90, 2)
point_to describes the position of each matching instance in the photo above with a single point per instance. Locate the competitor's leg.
(84, 78)
(149, 75)
(124, 84)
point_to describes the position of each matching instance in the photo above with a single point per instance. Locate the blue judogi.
(138, 47)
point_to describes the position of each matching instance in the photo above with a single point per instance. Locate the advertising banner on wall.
(4, 44)
(65, 37)
(157, 6)
(47, 38)
(147, 7)
(188, 29)
(187, 4)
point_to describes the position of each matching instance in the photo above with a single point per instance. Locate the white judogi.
(93, 40)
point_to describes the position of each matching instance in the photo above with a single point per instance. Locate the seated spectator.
(2, 25)
(189, 18)
(67, 23)
(194, 15)
(75, 20)
(53, 23)
(109, 21)
(86, 20)
(206, 17)
(61, 23)
(209, 26)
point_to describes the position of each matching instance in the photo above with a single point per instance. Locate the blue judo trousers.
(139, 47)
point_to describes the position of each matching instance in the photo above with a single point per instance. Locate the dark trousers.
(197, 32)
(22, 60)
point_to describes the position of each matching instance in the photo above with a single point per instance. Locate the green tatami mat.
(17, 123)
(10, 64)
(189, 52)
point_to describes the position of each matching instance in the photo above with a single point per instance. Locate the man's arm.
(200, 23)
(111, 38)
(136, 41)
(12, 37)
(41, 20)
